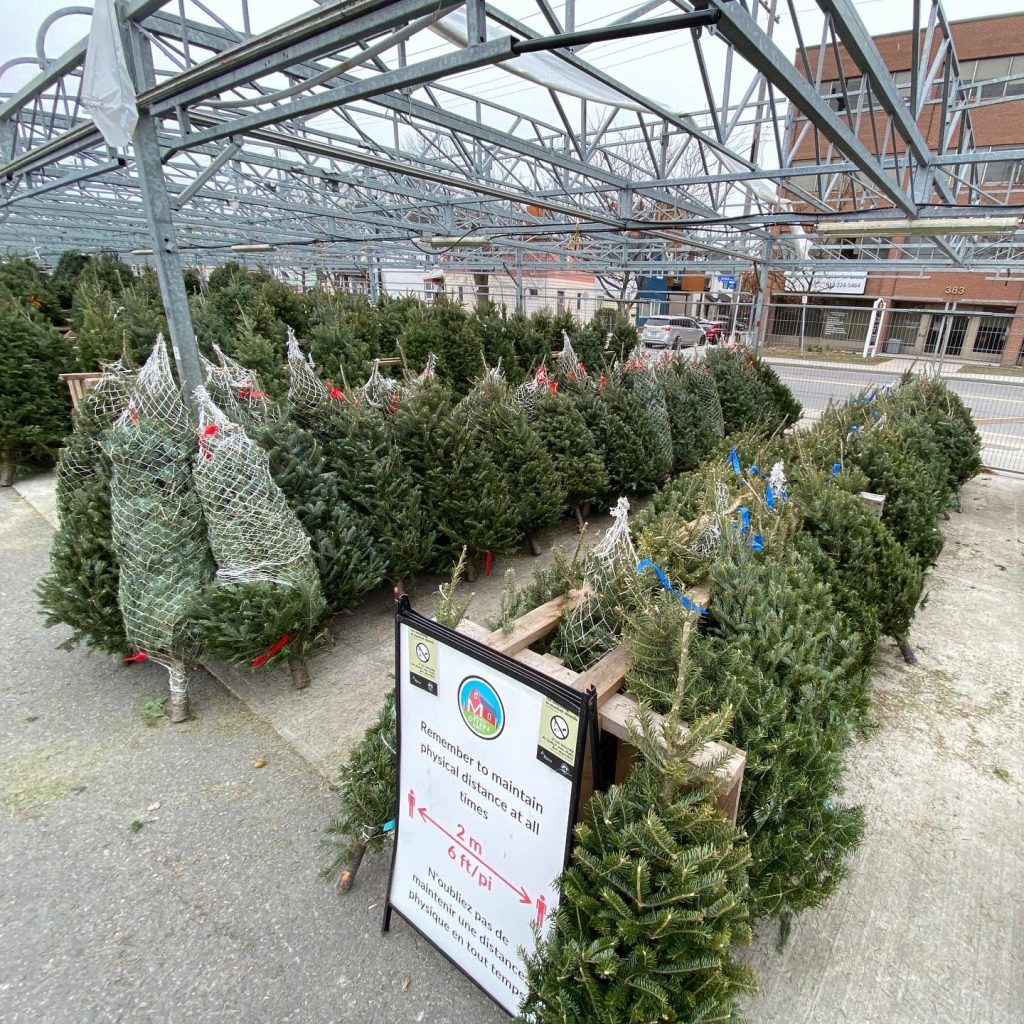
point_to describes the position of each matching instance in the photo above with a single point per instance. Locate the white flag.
(108, 92)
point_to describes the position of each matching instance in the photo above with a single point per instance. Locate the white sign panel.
(827, 282)
(488, 772)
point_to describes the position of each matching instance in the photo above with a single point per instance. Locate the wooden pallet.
(79, 383)
(616, 711)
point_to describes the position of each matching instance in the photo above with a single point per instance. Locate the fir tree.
(443, 329)
(693, 433)
(373, 478)
(634, 451)
(655, 897)
(34, 403)
(368, 786)
(341, 539)
(564, 433)
(507, 439)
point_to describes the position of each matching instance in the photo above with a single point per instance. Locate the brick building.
(969, 315)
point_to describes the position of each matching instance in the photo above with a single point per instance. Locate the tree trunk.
(585, 510)
(348, 876)
(908, 653)
(177, 704)
(470, 570)
(300, 672)
(535, 548)
(6, 470)
(580, 521)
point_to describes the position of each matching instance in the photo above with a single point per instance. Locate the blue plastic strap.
(836, 469)
(769, 496)
(388, 826)
(753, 470)
(734, 461)
(757, 542)
(690, 606)
(744, 521)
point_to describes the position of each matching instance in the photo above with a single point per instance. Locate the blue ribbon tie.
(689, 605)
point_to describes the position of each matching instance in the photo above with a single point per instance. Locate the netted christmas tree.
(609, 585)
(380, 392)
(563, 432)
(694, 428)
(341, 538)
(157, 527)
(312, 402)
(656, 895)
(81, 588)
(641, 379)
(237, 390)
(751, 394)
(266, 601)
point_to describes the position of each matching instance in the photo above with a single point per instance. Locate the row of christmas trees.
(383, 482)
(804, 579)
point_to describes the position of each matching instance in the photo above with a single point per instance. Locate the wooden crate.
(79, 383)
(616, 711)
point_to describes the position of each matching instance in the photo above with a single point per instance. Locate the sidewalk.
(950, 370)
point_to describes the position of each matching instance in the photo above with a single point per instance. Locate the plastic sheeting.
(108, 92)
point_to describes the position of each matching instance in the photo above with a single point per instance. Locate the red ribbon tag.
(553, 386)
(393, 402)
(601, 381)
(337, 393)
(270, 652)
(141, 656)
(488, 562)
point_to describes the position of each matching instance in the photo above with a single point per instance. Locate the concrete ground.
(925, 930)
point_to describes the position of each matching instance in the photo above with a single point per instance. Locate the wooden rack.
(617, 712)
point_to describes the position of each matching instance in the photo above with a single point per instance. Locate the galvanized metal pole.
(155, 202)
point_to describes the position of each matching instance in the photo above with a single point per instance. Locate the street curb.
(885, 368)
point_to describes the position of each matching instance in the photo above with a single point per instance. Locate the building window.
(991, 336)
(1002, 172)
(559, 302)
(462, 294)
(532, 292)
(903, 326)
(579, 301)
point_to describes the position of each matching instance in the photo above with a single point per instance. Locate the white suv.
(671, 332)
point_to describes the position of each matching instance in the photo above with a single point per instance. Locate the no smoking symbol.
(423, 653)
(559, 727)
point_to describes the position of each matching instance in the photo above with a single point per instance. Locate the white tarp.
(547, 70)
(108, 92)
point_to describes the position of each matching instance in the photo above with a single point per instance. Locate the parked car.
(671, 332)
(714, 330)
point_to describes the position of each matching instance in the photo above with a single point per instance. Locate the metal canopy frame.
(345, 136)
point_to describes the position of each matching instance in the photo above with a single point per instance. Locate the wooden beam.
(607, 675)
(529, 628)
(876, 502)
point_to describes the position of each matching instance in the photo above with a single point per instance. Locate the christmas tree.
(368, 786)
(464, 493)
(563, 432)
(374, 479)
(445, 330)
(655, 896)
(646, 385)
(692, 429)
(506, 438)
(157, 527)
(341, 538)
(81, 588)
(266, 599)
(635, 453)
(787, 664)
(34, 403)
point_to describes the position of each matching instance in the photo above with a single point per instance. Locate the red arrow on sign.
(517, 889)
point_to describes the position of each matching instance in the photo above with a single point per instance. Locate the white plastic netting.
(156, 521)
(568, 365)
(100, 408)
(306, 392)
(647, 387)
(381, 392)
(254, 535)
(532, 388)
(594, 626)
(701, 383)
(236, 389)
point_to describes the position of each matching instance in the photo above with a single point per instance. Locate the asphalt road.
(157, 875)
(997, 408)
